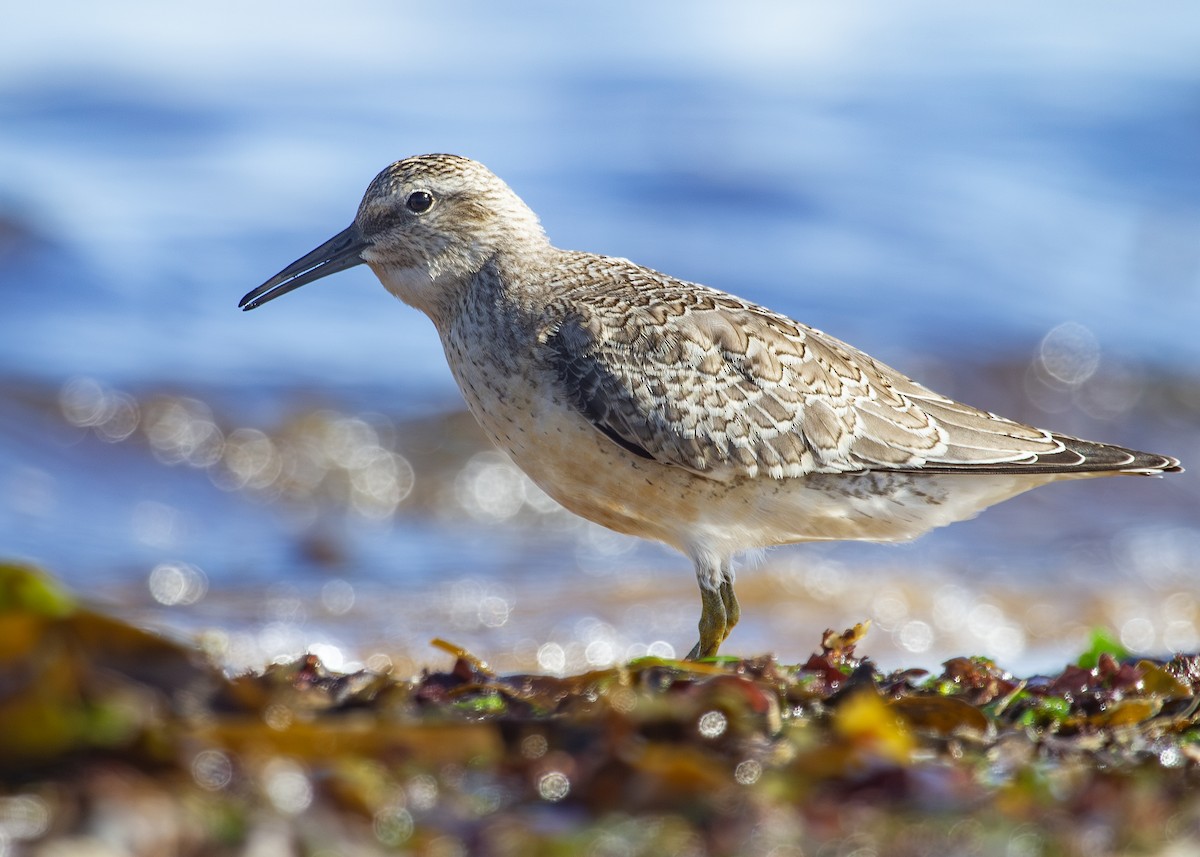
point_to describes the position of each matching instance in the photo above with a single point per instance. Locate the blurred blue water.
(924, 181)
(930, 176)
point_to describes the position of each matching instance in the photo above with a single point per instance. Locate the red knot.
(672, 411)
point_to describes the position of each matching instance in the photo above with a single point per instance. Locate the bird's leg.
(733, 610)
(714, 617)
(712, 624)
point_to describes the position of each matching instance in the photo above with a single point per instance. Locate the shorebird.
(670, 410)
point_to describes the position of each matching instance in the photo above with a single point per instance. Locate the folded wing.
(699, 379)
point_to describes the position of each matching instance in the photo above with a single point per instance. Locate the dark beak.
(337, 254)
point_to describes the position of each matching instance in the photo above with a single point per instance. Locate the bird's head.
(425, 226)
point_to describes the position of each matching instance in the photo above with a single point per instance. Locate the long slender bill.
(337, 254)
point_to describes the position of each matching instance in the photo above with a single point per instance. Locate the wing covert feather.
(695, 378)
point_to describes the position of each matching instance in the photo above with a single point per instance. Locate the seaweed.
(115, 733)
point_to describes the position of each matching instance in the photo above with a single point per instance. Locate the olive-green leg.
(712, 624)
(719, 612)
(733, 610)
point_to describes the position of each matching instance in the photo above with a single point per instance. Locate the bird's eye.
(419, 202)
